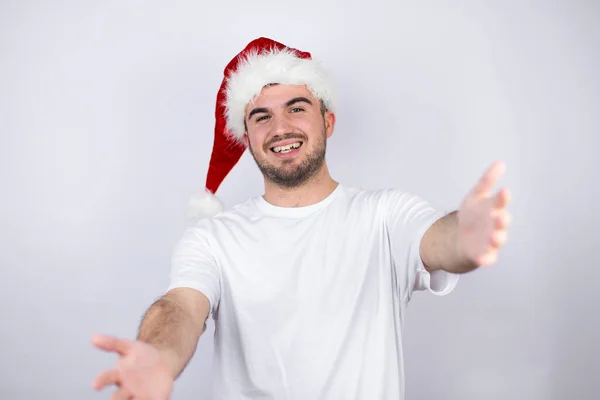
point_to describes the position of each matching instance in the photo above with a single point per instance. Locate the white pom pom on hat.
(204, 205)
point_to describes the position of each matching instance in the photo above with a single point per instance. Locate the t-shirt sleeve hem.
(205, 290)
(437, 282)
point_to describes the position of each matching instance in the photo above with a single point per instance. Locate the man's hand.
(139, 373)
(483, 219)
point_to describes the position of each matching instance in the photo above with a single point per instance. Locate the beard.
(291, 175)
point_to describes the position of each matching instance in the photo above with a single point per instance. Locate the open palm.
(139, 373)
(483, 219)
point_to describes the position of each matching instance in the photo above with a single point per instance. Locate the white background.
(106, 123)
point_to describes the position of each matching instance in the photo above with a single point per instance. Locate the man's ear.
(246, 138)
(329, 122)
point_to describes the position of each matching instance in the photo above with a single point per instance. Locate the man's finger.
(106, 378)
(488, 259)
(122, 394)
(502, 198)
(111, 343)
(499, 238)
(490, 178)
(502, 220)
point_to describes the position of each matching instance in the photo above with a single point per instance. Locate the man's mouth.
(287, 148)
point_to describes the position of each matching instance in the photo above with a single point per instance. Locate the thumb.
(489, 178)
(111, 343)
(502, 198)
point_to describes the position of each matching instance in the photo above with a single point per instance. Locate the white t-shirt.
(309, 302)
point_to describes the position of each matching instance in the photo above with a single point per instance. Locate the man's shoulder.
(231, 219)
(384, 202)
(347, 195)
(375, 195)
(245, 208)
(237, 214)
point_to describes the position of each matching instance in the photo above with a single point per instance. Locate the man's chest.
(305, 268)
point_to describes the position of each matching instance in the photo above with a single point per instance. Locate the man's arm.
(174, 324)
(441, 248)
(472, 236)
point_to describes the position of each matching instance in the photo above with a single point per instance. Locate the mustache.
(287, 136)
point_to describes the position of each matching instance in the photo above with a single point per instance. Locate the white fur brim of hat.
(257, 70)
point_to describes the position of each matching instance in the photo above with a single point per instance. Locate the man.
(308, 284)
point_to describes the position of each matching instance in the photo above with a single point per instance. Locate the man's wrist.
(170, 361)
(167, 358)
(463, 259)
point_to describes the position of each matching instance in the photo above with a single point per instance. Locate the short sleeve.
(407, 219)
(193, 265)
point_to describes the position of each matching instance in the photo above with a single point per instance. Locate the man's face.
(287, 133)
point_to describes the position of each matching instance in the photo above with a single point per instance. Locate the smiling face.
(286, 132)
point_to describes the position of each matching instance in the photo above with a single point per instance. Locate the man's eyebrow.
(257, 111)
(298, 100)
(289, 103)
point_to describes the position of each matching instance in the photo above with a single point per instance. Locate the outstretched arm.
(472, 236)
(147, 367)
(173, 325)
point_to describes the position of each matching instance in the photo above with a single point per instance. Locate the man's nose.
(281, 125)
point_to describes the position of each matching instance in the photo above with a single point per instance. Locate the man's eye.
(262, 118)
(295, 109)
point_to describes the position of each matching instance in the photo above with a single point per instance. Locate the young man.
(307, 284)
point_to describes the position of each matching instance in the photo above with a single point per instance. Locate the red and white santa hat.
(262, 62)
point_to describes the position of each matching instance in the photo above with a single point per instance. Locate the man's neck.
(312, 192)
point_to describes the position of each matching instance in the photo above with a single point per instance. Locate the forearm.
(441, 248)
(173, 326)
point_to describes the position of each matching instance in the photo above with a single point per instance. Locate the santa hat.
(262, 62)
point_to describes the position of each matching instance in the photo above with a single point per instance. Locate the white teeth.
(285, 149)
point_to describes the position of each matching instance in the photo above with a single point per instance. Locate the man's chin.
(287, 171)
(286, 176)
(290, 172)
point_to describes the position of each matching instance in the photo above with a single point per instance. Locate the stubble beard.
(292, 176)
